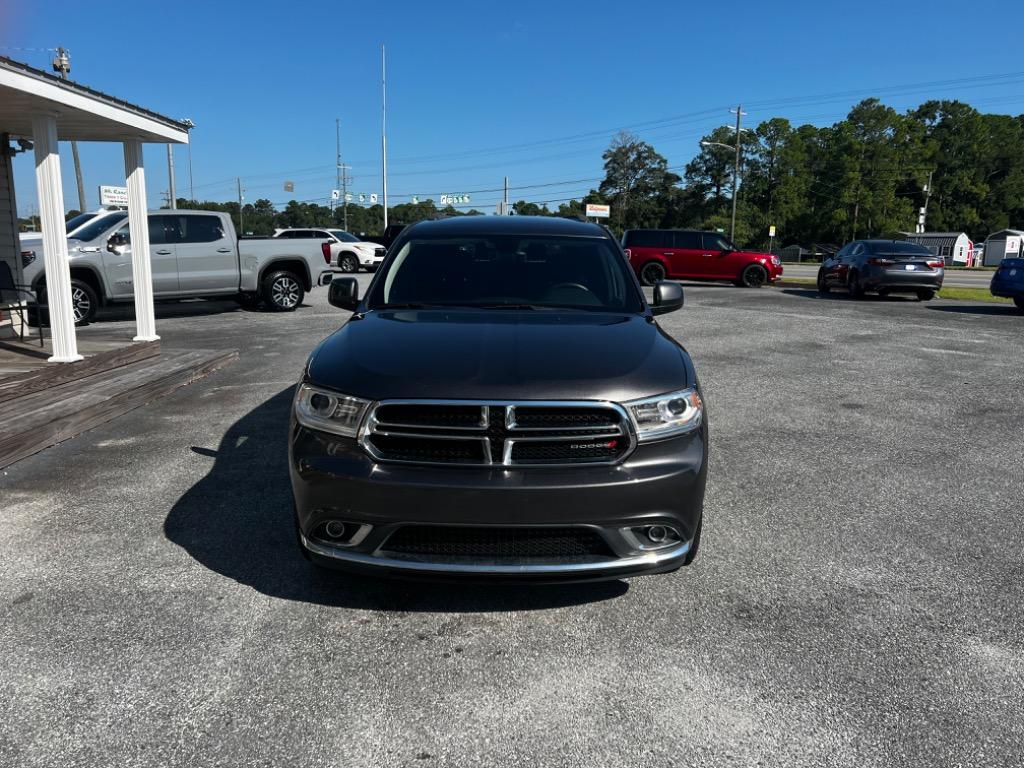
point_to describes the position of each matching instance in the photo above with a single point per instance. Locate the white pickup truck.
(193, 254)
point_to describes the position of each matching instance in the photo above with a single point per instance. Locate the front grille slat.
(497, 544)
(498, 434)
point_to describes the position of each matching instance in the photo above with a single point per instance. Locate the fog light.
(657, 533)
(335, 529)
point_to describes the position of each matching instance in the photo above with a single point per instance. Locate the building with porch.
(37, 110)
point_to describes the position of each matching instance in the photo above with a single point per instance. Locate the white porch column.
(55, 244)
(142, 270)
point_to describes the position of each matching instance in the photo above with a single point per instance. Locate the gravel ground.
(857, 599)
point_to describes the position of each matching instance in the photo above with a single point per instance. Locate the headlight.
(329, 411)
(666, 415)
(776, 260)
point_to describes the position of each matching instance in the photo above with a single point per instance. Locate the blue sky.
(477, 91)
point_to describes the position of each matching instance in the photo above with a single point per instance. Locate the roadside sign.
(335, 194)
(1012, 245)
(373, 198)
(348, 197)
(771, 231)
(598, 211)
(454, 199)
(117, 196)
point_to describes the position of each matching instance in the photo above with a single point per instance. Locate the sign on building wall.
(113, 196)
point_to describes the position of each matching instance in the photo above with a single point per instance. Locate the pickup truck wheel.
(347, 262)
(84, 303)
(282, 291)
(754, 276)
(653, 272)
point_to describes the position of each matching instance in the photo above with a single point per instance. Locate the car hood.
(502, 355)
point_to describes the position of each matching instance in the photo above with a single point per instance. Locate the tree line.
(864, 176)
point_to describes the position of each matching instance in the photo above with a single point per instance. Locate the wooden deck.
(42, 404)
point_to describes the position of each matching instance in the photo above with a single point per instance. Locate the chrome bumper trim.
(636, 561)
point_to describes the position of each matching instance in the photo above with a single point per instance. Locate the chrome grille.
(471, 433)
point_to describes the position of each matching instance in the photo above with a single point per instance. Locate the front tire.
(283, 291)
(347, 262)
(822, 285)
(925, 295)
(1020, 303)
(653, 272)
(754, 276)
(84, 303)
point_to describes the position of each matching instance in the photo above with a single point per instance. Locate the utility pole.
(736, 170)
(337, 157)
(170, 177)
(241, 225)
(62, 65)
(383, 131)
(924, 209)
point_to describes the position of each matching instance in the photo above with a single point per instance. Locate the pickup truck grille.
(506, 434)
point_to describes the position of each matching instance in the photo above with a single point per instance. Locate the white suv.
(348, 252)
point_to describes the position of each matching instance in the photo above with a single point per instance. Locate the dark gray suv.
(501, 405)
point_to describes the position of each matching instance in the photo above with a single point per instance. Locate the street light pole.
(736, 171)
(736, 167)
(383, 131)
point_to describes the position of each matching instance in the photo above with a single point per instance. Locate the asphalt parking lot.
(857, 599)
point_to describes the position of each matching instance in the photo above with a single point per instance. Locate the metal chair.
(10, 298)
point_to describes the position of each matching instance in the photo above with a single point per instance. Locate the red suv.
(657, 254)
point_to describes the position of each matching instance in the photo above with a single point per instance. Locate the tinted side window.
(157, 235)
(715, 242)
(200, 229)
(648, 238)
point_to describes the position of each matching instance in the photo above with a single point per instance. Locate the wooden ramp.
(46, 405)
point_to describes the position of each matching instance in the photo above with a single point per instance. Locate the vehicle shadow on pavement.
(171, 309)
(237, 521)
(812, 293)
(978, 309)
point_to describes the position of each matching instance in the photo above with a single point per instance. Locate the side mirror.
(668, 297)
(343, 293)
(115, 241)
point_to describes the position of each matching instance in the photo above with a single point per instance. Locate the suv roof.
(507, 225)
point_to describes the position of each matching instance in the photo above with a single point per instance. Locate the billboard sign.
(599, 211)
(113, 196)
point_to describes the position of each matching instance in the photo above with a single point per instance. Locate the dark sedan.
(1008, 281)
(882, 267)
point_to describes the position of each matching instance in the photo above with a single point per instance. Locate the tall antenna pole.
(62, 66)
(383, 131)
(241, 224)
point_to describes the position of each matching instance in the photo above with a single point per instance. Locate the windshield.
(509, 271)
(344, 236)
(74, 223)
(99, 225)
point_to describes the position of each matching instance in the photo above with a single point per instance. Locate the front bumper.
(661, 483)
